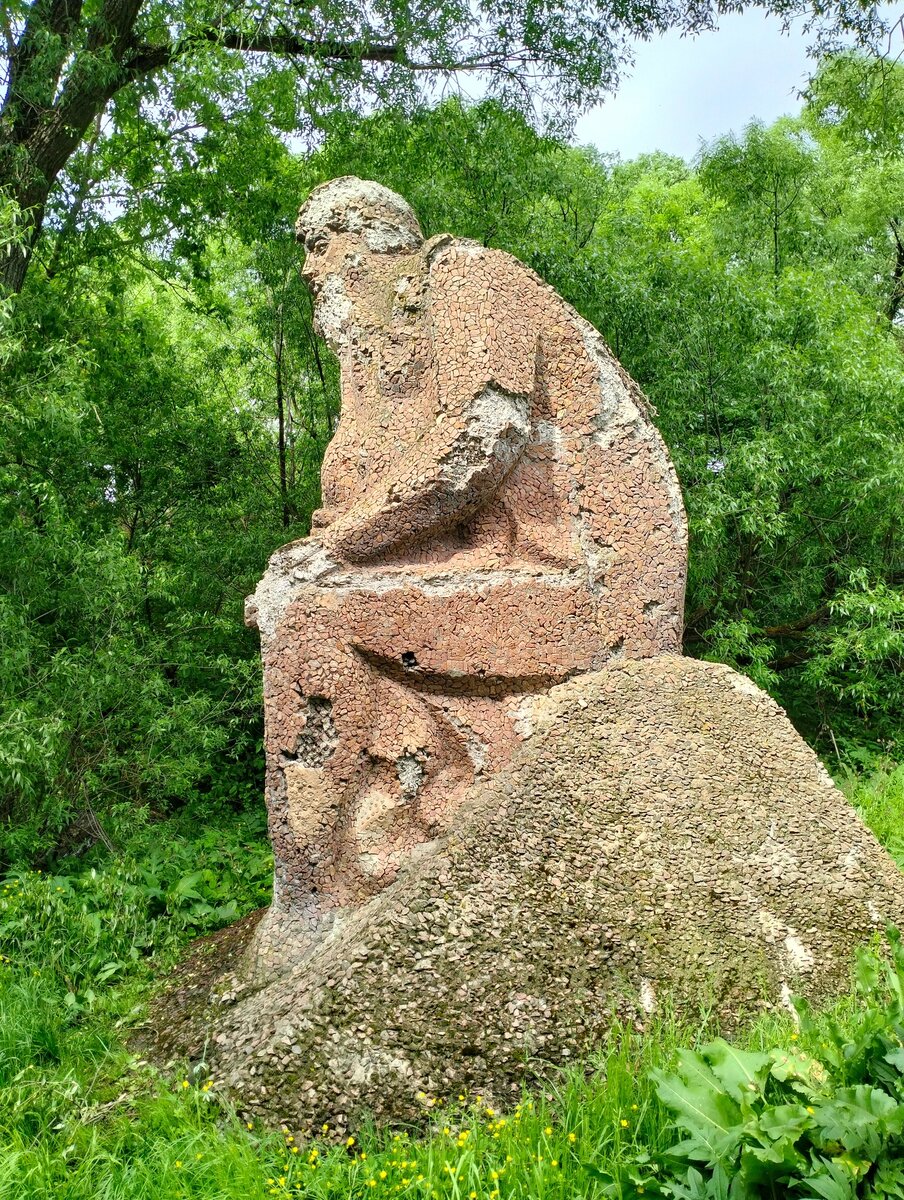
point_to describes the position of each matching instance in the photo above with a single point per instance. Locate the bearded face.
(344, 225)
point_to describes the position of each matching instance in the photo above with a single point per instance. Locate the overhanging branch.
(145, 58)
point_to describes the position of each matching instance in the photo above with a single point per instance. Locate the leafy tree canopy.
(173, 78)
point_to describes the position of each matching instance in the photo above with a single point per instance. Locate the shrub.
(823, 1118)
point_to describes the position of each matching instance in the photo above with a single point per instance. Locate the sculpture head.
(343, 224)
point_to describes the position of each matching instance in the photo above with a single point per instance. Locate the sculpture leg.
(348, 750)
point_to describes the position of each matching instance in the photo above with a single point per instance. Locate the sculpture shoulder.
(461, 264)
(482, 317)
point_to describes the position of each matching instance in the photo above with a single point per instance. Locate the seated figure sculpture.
(499, 514)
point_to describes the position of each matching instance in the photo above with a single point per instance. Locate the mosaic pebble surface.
(504, 810)
(663, 831)
(499, 514)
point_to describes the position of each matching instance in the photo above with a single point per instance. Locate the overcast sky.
(683, 90)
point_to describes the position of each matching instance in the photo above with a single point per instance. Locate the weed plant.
(83, 1117)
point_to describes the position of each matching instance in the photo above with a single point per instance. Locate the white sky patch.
(683, 91)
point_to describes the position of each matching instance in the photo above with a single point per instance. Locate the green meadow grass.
(83, 1117)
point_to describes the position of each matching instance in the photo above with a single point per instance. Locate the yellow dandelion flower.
(371, 1183)
(178, 1163)
(294, 1149)
(382, 1174)
(185, 1083)
(572, 1137)
(249, 1124)
(623, 1123)
(350, 1141)
(548, 1130)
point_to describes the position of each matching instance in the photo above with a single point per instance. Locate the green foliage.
(137, 510)
(81, 1116)
(822, 1118)
(92, 932)
(753, 322)
(166, 405)
(877, 792)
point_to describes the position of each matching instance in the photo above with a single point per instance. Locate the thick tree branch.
(145, 57)
(794, 629)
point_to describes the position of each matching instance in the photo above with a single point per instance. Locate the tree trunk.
(46, 114)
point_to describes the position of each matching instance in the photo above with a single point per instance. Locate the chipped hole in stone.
(318, 739)
(410, 772)
(408, 658)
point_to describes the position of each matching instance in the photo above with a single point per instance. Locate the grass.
(81, 1116)
(878, 795)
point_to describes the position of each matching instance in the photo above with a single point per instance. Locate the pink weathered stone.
(506, 813)
(499, 514)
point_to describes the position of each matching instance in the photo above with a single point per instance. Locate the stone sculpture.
(499, 514)
(505, 811)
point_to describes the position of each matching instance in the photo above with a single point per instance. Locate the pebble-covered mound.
(664, 830)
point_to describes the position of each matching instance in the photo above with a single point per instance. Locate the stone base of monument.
(663, 837)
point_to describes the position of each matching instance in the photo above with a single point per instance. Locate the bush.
(822, 1118)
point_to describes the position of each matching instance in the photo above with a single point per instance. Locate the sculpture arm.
(450, 477)
(483, 380)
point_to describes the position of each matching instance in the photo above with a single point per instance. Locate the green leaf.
(702, 1107)
(830, 1182)
(858, 1118)
(741, 1072)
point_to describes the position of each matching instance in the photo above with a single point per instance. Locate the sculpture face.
(347, 225)
(330, 262)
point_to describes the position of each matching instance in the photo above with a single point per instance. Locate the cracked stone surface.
(499, 515)
(504, 810)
